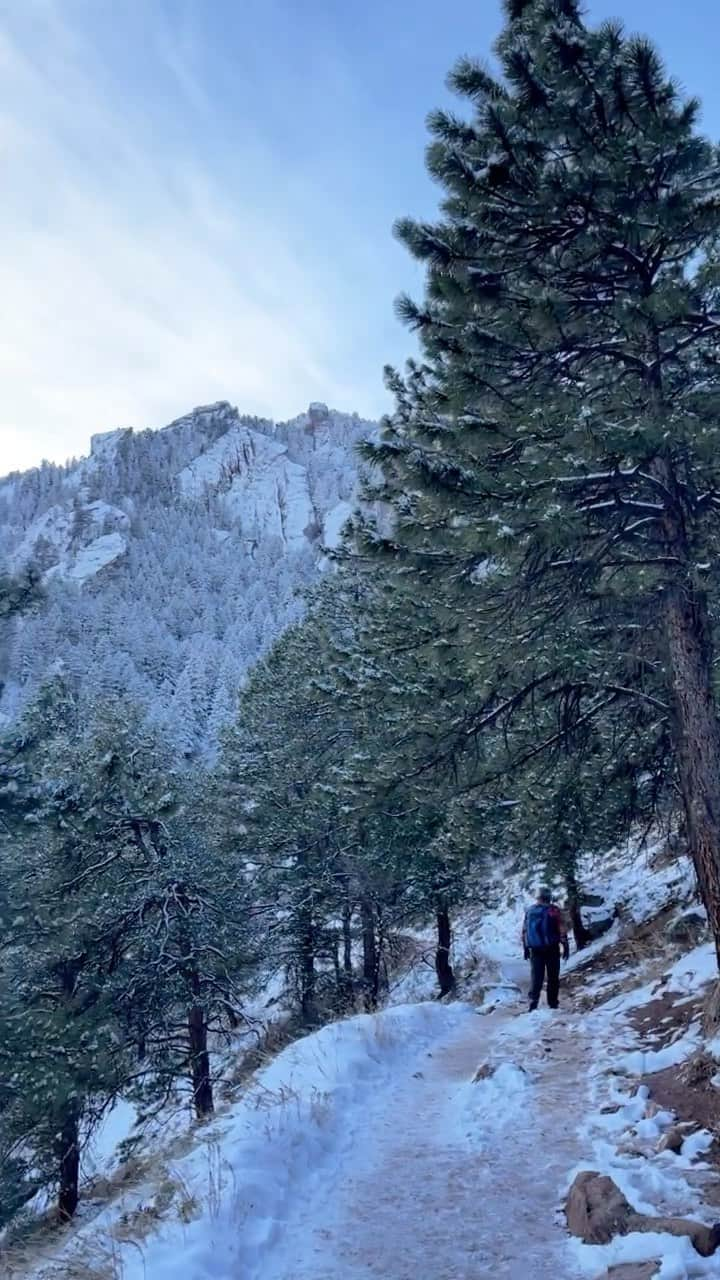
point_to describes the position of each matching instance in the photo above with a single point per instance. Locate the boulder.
(596, 1211)
(705, 1240)
(688, 929)
(673, 1139)
(595, 928)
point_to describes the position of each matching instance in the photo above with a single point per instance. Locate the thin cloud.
(133, 284)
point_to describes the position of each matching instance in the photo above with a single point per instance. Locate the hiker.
(543, 936)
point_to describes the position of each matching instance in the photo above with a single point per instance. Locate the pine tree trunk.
(697, 738)
(200, 1062)
(308, 1007)
(580, 933)
(371, 968)
(383, 978)
(443, 968)
(347, 940)
(68, 1152)
(348, 983)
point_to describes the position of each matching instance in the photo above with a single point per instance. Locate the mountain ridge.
(173, 558)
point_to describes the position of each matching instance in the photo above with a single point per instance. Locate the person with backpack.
(544, 936)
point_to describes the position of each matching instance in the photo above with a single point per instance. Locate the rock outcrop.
(597, 1211)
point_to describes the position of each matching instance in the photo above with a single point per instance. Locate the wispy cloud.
(145, 264)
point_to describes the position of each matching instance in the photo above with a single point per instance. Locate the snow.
(678, 1259)
(264, 491)
(236, 452)
(438, 1164)
(105, 442)
(223, 519)
(632, 878)
(56, 531)
(333, 524)
(304, 1108)
(102, 1154)
(644, 1061)
(97, 555)
(273, 501)
(623, 1143)
(696, 1144)
(693, 970)
(362, 1150)
(486, 1107)
(369, 1146)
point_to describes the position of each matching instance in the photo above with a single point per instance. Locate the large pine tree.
(556, 448)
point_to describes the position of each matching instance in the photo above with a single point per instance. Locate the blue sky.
(198, 198)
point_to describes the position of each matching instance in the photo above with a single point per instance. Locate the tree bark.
(443, 968)
(347, 939)
(308, 1006)
(347, 980)
(371, 965)
(200, 1062)
(68, 1152)
(580, 933)
(697, 735)
(383, 977)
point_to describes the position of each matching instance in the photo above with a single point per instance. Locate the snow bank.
(693, 970)
(484, 1108)
(633, 879)
(102, 1155)
(642, 1062)
(678, 1259)
(238, 1182)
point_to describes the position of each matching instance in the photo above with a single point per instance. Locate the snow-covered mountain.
(173, 558)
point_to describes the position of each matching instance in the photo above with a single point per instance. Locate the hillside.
(378, 1141)
(172, 559)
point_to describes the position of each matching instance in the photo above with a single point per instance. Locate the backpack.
(542, 927)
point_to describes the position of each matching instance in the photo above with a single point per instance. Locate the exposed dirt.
(686, 1090)
(641, 954)
(665, 1018)
(689, 1093)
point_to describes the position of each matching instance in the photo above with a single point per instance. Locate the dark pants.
(545, 961)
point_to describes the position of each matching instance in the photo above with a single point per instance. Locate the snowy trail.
(459, 1178)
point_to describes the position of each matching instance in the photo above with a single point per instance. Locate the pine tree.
(283, 824)
(18, 592)
(319, 796)
(78, 855)
(194, 960)
(554, 455)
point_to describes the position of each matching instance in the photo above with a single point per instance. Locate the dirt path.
(450, 1178)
